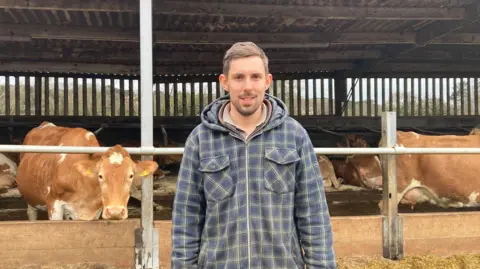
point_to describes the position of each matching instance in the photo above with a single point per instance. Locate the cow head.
(353, 141)
(361, 170)
(364, 171)
(115, 172)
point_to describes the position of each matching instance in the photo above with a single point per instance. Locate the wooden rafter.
(17, 32)
(395, 67)
(82, 55)
(444, 28)
(246, 9)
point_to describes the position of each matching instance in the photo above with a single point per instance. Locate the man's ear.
(268, 81)
(145, 168)
(223, 81)
(87, 168)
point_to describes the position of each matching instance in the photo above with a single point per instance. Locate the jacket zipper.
(246, 183)
(248, 204)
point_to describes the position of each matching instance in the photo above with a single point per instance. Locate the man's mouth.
(247, 100)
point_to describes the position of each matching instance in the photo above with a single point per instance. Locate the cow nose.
(115, 212)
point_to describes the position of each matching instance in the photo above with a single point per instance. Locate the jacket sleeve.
(311, 210)
(188, 211)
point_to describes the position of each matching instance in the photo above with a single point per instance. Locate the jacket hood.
(209, 115)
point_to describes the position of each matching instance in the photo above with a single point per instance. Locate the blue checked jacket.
(250, 204)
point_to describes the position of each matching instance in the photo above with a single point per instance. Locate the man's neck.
(249, 123)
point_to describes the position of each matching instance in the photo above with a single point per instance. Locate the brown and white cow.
(353, 141)
(445, 180)
(77, 186)
(339, 168)
(363, 171)
(8, 172)
(344, 173)
(328, 172)
(475, 130)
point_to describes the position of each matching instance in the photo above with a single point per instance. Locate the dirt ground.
(74, 266)
(467, 261)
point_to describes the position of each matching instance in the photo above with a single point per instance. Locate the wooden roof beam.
(443, 28)
(60, 67)
(84, 68)
(247, 10)
(319, 12)
(18, 32)
(9, 52)
(72, 5)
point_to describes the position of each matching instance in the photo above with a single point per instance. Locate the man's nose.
(248, 85)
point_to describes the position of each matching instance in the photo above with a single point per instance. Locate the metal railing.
(144, 150)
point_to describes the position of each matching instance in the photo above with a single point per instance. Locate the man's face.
(246, 83)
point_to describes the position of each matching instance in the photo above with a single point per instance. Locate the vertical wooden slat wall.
(35, 94)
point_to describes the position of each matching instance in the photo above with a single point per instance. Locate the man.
(249, 192)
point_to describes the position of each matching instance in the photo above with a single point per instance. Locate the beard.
(246, 111)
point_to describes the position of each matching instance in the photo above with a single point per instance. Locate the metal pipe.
(402, 150)
(147, 251)
(396, 150)
(147, 150)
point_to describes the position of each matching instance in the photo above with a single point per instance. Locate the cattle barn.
(138, 73)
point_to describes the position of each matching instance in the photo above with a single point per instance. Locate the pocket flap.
(281, 155)
(214, 164)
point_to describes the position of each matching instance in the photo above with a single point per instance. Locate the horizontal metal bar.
(178, 150)
(396, 151)
(73, 149)
(402, 150)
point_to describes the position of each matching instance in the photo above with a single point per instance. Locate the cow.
(353, 141)
(8, 172)
(13, 156)
(339, 168)
(363, 171)
(77, 186)
(475, 130)
(444, 180)
(340, 165)
(328, 172)
(171, 160)
(135, 191)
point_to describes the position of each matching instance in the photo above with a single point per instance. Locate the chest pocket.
(217, 182)
(279, 169)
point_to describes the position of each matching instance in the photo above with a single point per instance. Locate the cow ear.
(87, 168)
(145, 168)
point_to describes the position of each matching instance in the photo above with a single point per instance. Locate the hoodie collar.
(226, 120)
(210, 114)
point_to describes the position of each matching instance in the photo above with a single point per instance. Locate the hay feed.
(465, 261)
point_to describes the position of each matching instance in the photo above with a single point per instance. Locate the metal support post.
(392, 223)
(146, 238)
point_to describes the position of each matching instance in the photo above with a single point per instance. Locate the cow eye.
(100, 177)
(131, 175)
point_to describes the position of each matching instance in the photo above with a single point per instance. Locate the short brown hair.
(242, 50)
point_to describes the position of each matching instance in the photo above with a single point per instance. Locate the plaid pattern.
(250, 204)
